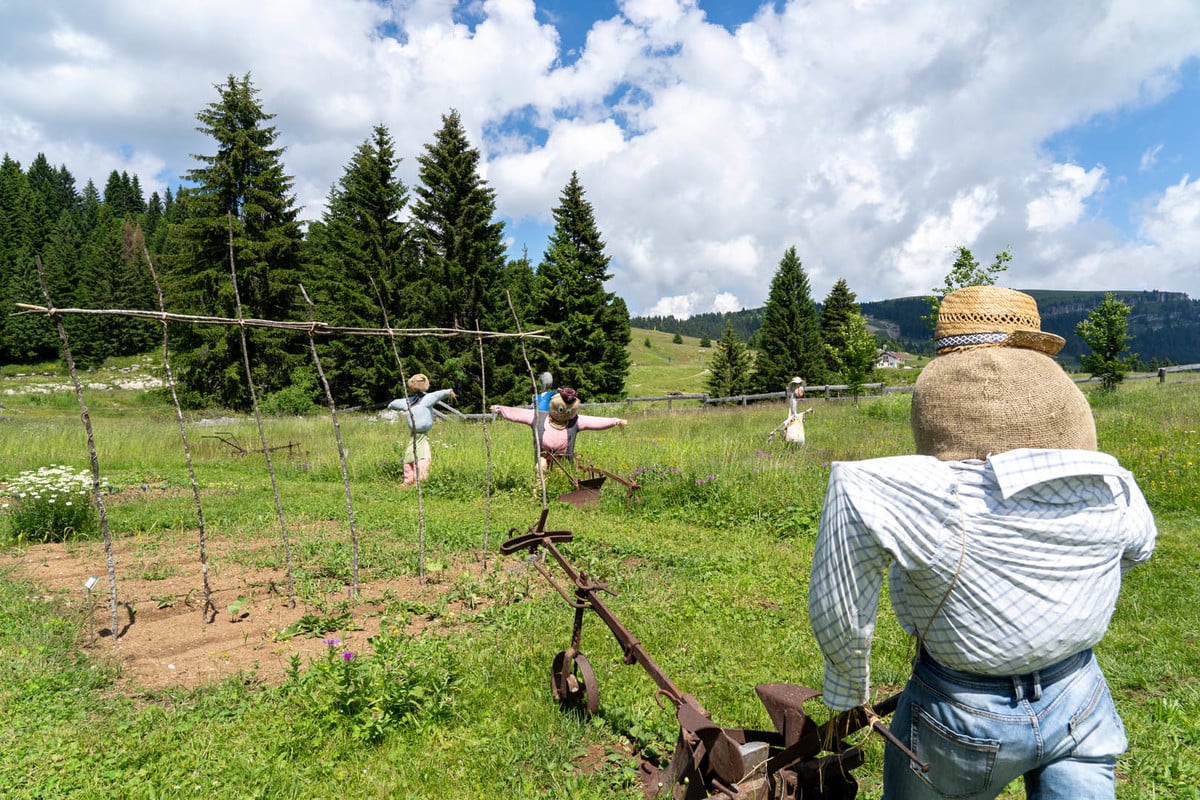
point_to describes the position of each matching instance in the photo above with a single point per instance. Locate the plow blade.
(586, 493)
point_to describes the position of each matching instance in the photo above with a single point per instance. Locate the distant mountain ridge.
(1164, 327)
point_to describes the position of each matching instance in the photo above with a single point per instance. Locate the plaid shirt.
(1000, 567)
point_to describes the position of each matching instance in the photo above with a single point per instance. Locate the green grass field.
(710, 570)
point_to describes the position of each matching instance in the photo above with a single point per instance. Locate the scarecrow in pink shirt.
(555, 430)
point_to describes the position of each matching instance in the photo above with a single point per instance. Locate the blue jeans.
(1057, 727)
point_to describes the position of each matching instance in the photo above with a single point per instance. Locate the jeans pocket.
(1096, 728)
(961, 764)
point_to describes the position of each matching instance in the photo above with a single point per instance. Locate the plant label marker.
(88, 585)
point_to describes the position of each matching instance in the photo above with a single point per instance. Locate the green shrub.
(50, 504)
(294, 401)
(407, 682)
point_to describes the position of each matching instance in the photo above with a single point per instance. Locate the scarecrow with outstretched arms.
(556, 429)
(417, 411)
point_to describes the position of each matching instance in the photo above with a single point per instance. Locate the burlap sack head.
(972, 403)
(418, 383)
(563, 406)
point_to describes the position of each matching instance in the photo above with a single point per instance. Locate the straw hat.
(563, 406)
(418, 383)
(990, 316)
(993, 387)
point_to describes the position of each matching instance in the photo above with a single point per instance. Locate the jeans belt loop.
(1037, 687)
(1018, 688)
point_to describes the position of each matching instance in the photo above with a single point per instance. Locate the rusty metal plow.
(587, 490)
(799, 760)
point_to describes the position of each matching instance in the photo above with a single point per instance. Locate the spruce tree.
(588, 326)
(358, 248)
(26, 338)
(57, 191)
(242, 189)
(456, 278)
(790, 337)
(730, 368)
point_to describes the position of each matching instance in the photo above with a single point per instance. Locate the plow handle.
(853, 719)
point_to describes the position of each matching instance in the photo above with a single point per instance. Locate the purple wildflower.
(331, 642)
(347, 655)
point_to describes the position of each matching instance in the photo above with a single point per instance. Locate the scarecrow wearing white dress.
(417, 412)
(793, 426)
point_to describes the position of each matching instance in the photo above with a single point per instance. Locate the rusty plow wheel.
(574, 683)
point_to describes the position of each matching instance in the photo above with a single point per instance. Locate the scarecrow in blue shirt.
(417, 412)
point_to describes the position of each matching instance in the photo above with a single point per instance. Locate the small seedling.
(237, 609)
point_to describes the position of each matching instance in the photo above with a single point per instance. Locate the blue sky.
(874, 136)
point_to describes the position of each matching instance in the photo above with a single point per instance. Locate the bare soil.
(164, 638)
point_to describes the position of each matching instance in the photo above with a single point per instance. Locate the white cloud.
(1062, 202)
(929, 252)
(875, 137)
(687, 305)
(1149, 158)
(1174, 221)
(725, 302)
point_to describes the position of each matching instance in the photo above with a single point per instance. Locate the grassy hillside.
(665, 366)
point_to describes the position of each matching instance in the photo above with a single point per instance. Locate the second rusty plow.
(799, 760)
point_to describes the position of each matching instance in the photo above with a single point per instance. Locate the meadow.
(708, 565)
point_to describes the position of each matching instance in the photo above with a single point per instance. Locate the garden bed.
(169, 644)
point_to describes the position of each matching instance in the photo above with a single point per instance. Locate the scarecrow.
(1006, 538)
(793, 426)
(417, 411)
(555, 431)
(542, 399)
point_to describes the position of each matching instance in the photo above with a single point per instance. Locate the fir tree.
(456, 278)
(23, 339)
(588, 326)
(730, 368)
(790, 338)
(57, 191)
(359, 247)
(240, 190)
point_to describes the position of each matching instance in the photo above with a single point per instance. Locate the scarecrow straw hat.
(563, 406)
(992, 386)
(990, 316)
(418, 383)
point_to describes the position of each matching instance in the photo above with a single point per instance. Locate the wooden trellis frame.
(312, 328)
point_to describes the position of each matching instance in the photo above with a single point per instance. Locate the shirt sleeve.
(843, 597)
(522, 415)
(897, 510)
(587, 423)
(431, 398)
(399, 404)
(1140, 528)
